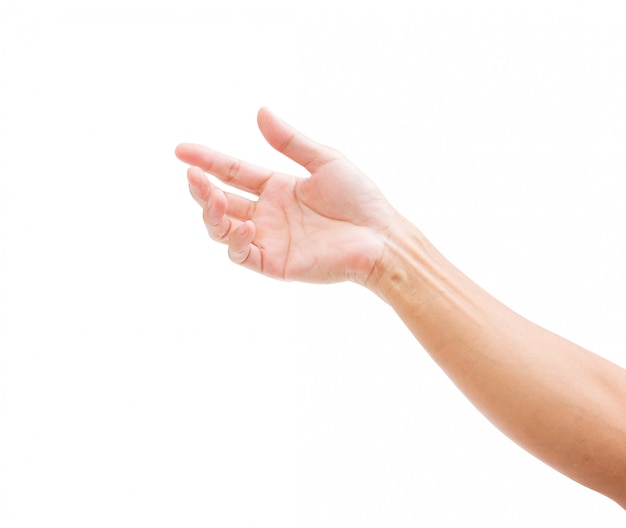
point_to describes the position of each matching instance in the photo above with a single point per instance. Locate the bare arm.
(564, 404)
(560, 402)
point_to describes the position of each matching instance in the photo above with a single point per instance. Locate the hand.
(329, 227)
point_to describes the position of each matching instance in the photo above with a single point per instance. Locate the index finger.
(230, 170)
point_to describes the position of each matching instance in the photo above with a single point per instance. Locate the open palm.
(326, 228)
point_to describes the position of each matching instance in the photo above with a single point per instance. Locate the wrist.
(413, 276)
(405, 252)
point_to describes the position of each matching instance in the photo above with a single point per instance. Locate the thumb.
(293, 144)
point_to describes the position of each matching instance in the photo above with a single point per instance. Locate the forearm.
(564, 404)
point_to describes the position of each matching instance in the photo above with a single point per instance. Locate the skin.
(560, 402)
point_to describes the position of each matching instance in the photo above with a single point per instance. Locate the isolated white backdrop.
(146, 381)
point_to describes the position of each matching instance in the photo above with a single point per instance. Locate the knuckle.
(287, 143)
(233, 170)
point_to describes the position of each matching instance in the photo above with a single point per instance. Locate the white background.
(147, 381)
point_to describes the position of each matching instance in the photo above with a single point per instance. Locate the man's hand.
(557, 400)
(329, 227)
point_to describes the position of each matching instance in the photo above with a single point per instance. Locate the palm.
(315, 230)
(325, 228)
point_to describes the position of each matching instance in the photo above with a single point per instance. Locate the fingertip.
(265, 116)
(198, 184)
(263, 112)
(180, 150)
(239, 247)
(262, 118)
(246, 231)
(274, 130)
(190, 153)
(195, 174)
